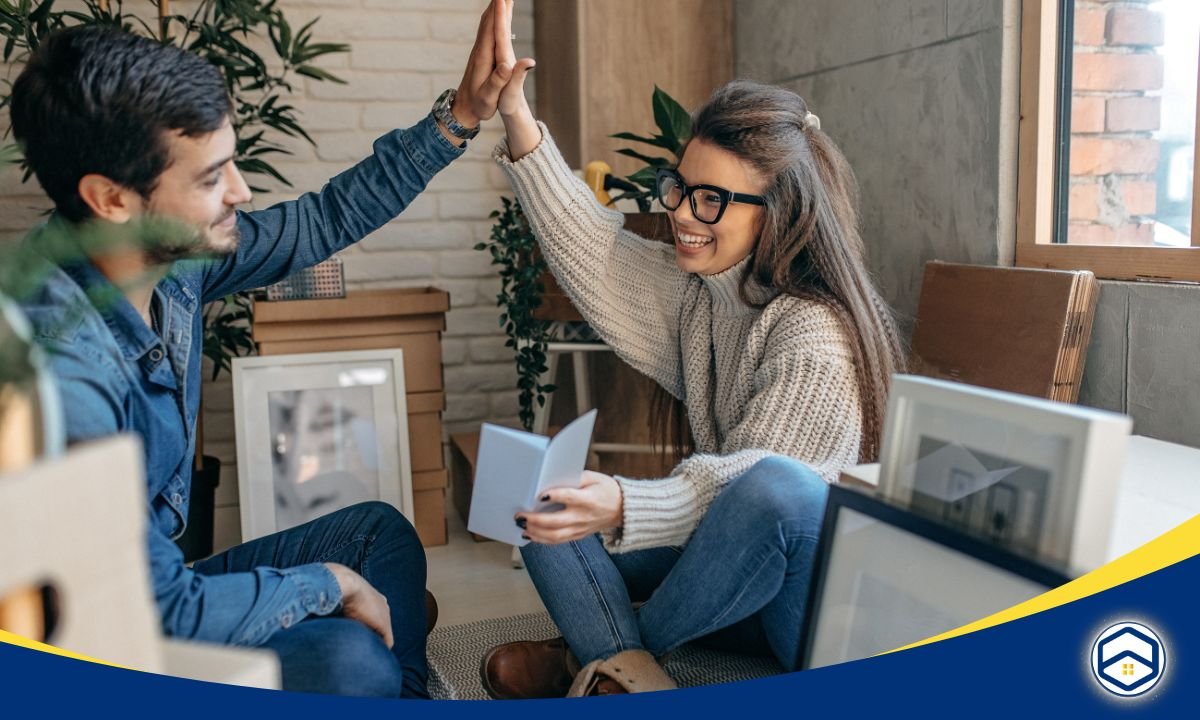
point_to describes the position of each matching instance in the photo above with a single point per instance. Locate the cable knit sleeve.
(628, 288)
(804, 404)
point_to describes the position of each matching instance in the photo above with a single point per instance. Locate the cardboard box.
(422, 354)
(363, 327)
(425, 431)
(464, 448)
(411, 319)
(429, 506)
(431, 480)
(403, 302)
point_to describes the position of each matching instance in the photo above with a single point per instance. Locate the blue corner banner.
(1125, 651)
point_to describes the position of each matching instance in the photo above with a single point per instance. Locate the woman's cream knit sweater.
(780, 380)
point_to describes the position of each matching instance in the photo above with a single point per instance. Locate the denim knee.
(339, 656)
(541, 554)
(381, 516)
(388, 525)
(781, 490)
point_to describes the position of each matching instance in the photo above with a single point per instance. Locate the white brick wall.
(404, 53)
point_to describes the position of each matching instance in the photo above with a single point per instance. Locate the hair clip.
(812, 122)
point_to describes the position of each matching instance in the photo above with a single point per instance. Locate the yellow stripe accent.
(14, 639)
(1175, 546)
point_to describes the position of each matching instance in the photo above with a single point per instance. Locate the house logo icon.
(1128, 659)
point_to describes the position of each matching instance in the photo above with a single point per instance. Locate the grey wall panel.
(1105, 370)
(779, 40)
(964, 17)
(1164, 365)
(921, 130)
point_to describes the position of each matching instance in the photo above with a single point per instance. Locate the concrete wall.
(922, 97)
(911, 90)
(1144, 358)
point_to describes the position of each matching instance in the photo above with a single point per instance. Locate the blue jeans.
(337, 655)
(741, 583)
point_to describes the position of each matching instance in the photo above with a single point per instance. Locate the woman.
(762, 319)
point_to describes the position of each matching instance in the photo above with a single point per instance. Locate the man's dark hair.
(103, 101)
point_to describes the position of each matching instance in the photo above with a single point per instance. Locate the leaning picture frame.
(1035, 476)
(886, 577)
(318, 432)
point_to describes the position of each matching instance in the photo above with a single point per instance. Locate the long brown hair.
(809, 245)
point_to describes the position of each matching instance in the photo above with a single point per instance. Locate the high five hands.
(494, 78)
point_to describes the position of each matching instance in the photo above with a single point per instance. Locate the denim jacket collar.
(134, 337)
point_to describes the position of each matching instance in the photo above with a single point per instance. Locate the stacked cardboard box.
(411, 319)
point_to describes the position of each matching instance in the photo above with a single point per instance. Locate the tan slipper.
(631, 671)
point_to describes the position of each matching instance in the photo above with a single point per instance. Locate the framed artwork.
(1034, 476)
(886, 577)
(317, 433)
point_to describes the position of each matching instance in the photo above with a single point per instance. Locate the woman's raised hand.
(523, 132)
(512, 97)
(490, 67)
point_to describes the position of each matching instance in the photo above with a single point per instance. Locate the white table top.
(1160, 489)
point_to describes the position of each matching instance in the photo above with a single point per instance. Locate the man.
(120, 129)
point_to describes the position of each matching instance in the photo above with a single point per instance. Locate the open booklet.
(514, 468)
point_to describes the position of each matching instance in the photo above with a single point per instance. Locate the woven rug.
(455, 653)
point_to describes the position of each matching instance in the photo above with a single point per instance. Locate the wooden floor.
(476, 581)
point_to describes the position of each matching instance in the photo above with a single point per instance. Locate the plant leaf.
(674, 122)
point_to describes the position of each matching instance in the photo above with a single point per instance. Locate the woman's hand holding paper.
(594, 506)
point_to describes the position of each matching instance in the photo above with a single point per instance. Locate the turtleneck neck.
(723, 287)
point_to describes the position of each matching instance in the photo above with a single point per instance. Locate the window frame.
(1037, 181)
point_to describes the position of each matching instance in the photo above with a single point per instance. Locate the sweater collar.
(723, 287)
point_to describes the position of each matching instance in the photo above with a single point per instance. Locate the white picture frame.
(1036, 476)
(317, 432)
(885, 577)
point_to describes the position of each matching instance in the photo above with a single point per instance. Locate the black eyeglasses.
(708, 209)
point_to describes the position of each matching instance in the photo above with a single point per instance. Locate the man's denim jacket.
(116, 374)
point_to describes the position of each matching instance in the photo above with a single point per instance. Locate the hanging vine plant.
(514, 249)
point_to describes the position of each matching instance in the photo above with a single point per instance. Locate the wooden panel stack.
(411, 319)
(1013, 329)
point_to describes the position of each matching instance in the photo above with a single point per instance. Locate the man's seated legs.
(379, 543)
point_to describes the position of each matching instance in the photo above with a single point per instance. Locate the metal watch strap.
(441, 112)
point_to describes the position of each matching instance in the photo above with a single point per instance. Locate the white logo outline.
(1156, 664)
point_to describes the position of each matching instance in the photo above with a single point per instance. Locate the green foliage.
(222, 32)
(674, 126)
(514, 249)
(226, 334)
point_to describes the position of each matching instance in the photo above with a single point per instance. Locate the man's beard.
(201, 243)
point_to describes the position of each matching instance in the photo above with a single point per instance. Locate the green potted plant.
(524, 276)
(221, 31)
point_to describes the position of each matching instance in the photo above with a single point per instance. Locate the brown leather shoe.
(528, 670)
(431, 612)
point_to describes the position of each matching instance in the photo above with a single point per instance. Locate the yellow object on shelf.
(594, 175)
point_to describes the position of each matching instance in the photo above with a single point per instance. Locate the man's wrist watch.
(442, 113)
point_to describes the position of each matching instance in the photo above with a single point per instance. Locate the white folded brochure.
(515, 468)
